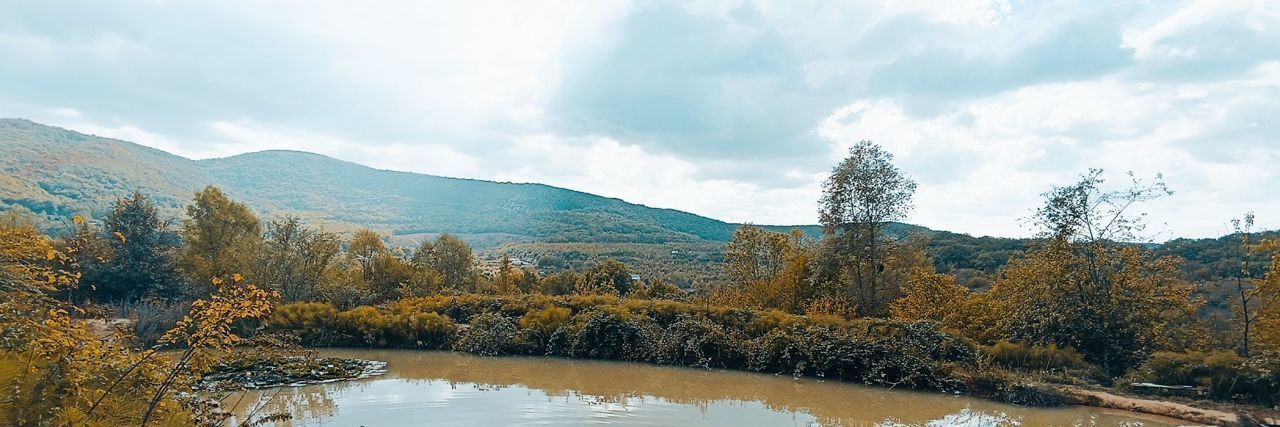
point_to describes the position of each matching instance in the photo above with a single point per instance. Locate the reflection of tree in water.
(967, 417)
(628, 385)
(596, 382)
(312, 402)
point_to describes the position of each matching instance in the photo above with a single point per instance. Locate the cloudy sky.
(730, 109)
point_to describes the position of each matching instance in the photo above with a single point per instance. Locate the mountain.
(56, 173)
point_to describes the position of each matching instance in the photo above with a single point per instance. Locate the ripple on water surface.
(440, 388)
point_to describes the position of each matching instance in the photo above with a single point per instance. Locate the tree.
(383, 272)
(143, 248)
(755, 256)
(657, 289)
(1267, 293)
(365, 247)
(450, 256)
(610, 276)
(561, 283)
(863, 194)
(768, 269)
(930, 296)
(295, 258)
(220, 237)
(508, 278)
(1244, 280)
(1087, 287)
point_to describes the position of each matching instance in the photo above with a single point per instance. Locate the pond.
(443, 388)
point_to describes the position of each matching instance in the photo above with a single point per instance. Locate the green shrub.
(1223, 375)
(778, 352)
(612, 335)
(699, 342)
(850, 354)
(489, 334)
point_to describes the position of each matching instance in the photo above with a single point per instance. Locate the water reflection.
(458, 389)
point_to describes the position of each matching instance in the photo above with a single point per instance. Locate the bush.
(489, 334)
(914, 354)
(538, 327)
(607, 334)
(999, 385)
(312, 322)
(1065, 363)
(425, 330)
(1223, 375)
(851, 354)
(699, 342)
(367, 325)
(1020, 356)
(151, 318)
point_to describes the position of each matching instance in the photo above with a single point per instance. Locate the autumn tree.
(656, 289)
(57, 371)
(610, 276)
(294, 258)
(1267, 296)
(365, 248)
(560, 283)
(220, 237)
(930, 296)
(91, 257)
(768, 269)
(452, 258)
(1088, 287)
(864, 193)
(382, 271)
(755, 255)
(507, 279)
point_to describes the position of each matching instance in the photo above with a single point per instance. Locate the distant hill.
(55, 173)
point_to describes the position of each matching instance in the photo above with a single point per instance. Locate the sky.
(735, 110)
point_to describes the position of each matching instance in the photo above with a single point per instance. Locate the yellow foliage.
(930, 296)
(1267, 292)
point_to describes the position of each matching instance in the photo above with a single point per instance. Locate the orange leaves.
(929, 296)
(208, 325)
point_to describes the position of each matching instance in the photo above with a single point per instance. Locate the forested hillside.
(54, 172)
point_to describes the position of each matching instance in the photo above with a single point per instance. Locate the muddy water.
(440, 388)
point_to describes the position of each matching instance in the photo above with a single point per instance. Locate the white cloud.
(606, 166)
(736, 112)
(1152, 41)
(1009, 148)
(456, 68)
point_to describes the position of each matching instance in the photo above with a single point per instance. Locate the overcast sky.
(730, 109)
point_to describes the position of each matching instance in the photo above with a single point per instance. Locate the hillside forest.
(861, 298)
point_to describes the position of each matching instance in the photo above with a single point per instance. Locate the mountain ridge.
(55, 172)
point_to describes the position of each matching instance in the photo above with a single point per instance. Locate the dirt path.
(1157, 407)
